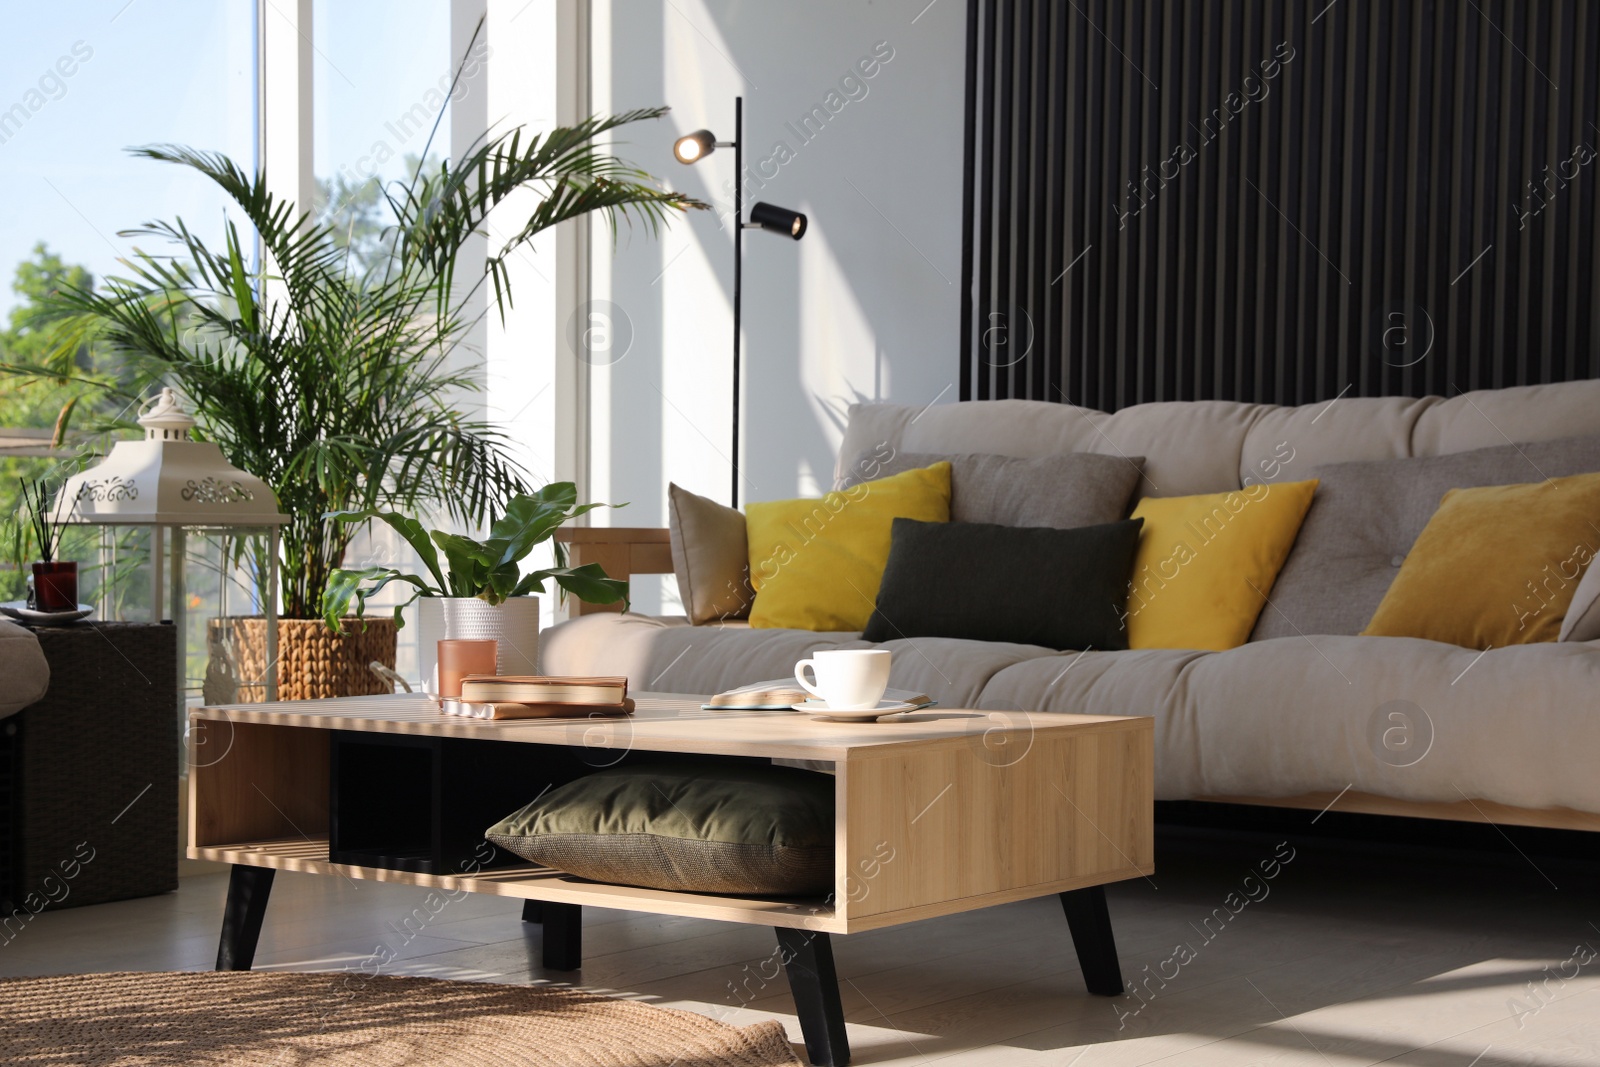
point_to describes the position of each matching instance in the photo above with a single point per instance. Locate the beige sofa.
(1509, 735)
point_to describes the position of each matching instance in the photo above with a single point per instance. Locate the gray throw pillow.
(1366, 516)
(1062, 491)
(693, 827)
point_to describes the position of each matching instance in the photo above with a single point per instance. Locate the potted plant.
(336, 381)
(55, 581)
(478, 588)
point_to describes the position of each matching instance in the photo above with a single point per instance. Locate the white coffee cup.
(848, 679)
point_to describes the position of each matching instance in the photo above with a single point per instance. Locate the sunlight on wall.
(697, 357)
(839, 356)
(863, 308)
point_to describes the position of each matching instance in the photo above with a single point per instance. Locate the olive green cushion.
(698, 828)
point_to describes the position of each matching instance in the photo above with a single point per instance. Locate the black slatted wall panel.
(1277, 200)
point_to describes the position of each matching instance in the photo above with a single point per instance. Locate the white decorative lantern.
(169, 481)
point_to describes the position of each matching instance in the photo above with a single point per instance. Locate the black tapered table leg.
(248, 889)
(1090, 923)
(563, 935)
(808, 959)
(531, 911)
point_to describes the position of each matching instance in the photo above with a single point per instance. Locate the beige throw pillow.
(1583, 614)
(710, 556)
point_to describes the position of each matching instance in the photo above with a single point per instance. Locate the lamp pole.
(738, 277)
(693, 147)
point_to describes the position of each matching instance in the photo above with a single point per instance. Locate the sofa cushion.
(1361, 429)
(1207, 563)
(1286, 444)
(687, 827)
(1075, 489)
(1191, 447)
(1496, 565)
(1211, 446)
(1028, 584)
(710, 556)
(1391, 716)
(1274, 718)
(1583, 614)
(1485, 418)
(816, 564)
(1366, 517)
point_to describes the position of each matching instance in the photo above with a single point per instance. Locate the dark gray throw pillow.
(1062, 491)
(696, 828)
(1367, 515)
(1032, 585)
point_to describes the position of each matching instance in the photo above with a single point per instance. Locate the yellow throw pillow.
(1495, 566)
(816, 564)
(1206, 564)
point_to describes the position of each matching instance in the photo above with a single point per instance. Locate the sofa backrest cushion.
(1197, 444)
(1211, 446)
(1064, 492)
(1366, 516)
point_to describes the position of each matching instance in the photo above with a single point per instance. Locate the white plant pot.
(514, 624)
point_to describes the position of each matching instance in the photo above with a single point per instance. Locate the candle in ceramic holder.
(457, 659)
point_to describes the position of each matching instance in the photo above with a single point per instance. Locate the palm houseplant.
(340, 382)
(478, 588)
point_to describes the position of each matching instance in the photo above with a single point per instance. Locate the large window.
(338, 99)
(381, 77)
(79, 84)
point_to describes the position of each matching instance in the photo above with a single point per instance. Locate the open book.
(783, 693)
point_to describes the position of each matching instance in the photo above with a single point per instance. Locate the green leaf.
(588, 583)
(528, 521)
(347, 585)
(501, 583)
(530, 584)
(58, 437)
(408, 528)
(469, 561)
(243, 296)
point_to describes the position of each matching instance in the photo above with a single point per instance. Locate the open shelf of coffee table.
(309, 855)
(937, 812)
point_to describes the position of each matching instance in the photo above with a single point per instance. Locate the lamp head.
(693, 147)
(780, 220)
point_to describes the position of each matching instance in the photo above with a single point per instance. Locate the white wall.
(864, 307)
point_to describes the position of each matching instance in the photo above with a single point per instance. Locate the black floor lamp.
(694, 147)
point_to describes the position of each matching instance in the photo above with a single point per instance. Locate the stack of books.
(532, 696)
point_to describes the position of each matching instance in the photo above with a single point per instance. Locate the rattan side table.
(89, 774)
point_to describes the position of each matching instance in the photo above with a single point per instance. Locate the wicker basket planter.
(313, 661)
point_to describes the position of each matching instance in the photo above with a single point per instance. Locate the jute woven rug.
(311, 1020)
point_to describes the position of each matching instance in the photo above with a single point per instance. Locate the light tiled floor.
(1348, 956)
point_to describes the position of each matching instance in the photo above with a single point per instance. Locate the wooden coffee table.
(938, 812)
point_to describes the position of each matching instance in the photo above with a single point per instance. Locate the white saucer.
(18, 609)
(819, 710)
